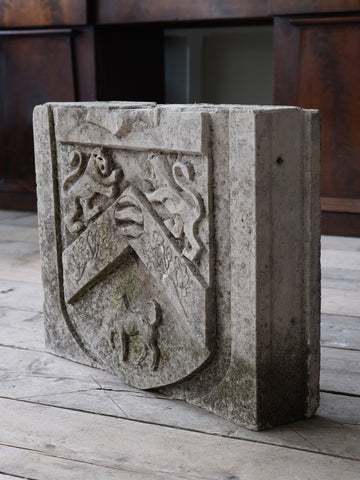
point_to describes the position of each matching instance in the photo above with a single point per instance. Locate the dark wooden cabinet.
(111, 50)
(42, 13)
(129, 63)
(140, 11)
(28, 79)
(40, 61)
(317, 66)
(281, 7)
(131, 11)
(37, 66)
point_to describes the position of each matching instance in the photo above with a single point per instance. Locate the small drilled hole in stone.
(279, 160)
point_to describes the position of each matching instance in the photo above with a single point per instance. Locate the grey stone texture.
(180, 250)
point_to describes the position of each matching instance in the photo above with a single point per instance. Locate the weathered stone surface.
(180, 250)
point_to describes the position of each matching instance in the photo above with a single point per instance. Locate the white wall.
(219, 65)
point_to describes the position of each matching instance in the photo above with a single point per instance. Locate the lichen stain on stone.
(236, 394)
(127, 283)
(178, 345)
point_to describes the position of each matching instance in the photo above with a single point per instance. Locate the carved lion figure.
(174, 188)
(85, 183)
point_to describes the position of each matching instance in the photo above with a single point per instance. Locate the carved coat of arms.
(133, 246)
(178, 254)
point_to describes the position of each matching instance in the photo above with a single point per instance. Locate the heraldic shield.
(130, 207)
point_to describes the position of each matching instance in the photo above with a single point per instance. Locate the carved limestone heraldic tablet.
(179, 253)
(135, 245)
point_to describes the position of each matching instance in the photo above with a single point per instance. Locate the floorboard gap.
(345, 394)
(16, 476)
(184, 429)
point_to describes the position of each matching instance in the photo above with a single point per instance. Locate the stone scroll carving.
(129, 120)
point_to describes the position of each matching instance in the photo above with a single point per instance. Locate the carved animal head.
(153, 313)
(101, 161)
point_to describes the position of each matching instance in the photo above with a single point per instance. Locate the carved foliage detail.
(173, 186)
(93, 247)
(159, 256)
(89, 182)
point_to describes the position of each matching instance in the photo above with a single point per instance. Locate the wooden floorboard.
(62, 420)
(35, 465)
(344, 244)
(340, 331)
(340, 279)
(153, 450)
(39, 377)
(339, 408)
(6, 476)
(21, 295)
(340, 371)
(340, 302)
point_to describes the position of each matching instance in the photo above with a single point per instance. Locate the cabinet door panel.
(281, 7)
(40, 13)
(36, 67)
(130, 11)
(317, 66)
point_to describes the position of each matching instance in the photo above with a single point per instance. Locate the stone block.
(180, 250)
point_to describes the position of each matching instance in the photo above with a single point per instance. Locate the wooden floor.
(62, 420)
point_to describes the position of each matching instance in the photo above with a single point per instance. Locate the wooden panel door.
(289, 7)
(136, 11)
(36, 66)
(40, 13)
(317, 66)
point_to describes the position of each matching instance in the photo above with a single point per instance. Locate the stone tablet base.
(180, 250)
